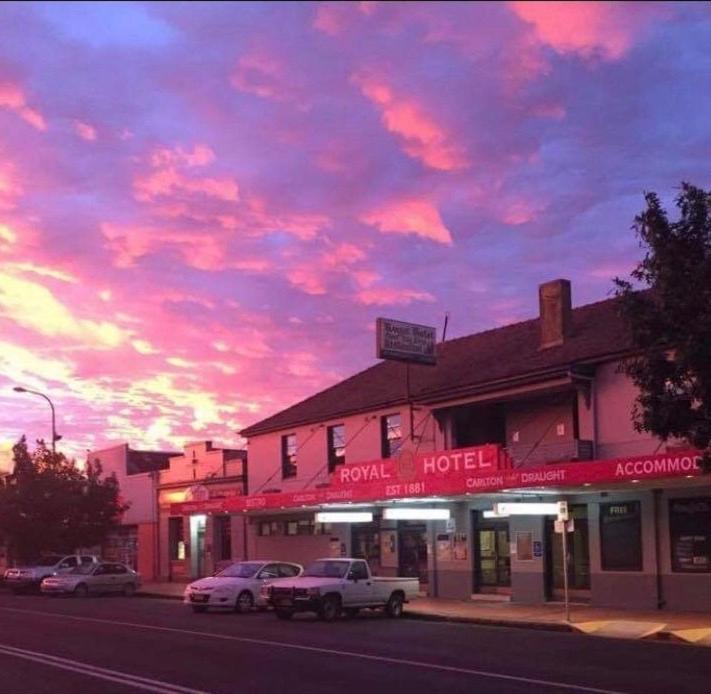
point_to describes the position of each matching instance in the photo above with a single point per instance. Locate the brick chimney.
(556, 309)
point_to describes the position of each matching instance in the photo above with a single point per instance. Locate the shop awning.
(459, 472)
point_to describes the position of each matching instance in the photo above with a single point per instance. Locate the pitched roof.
(477, 362)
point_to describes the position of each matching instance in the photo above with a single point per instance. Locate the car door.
(66, 565)
(118, 578)
(359, 586)
(267, 574)
(100, 580)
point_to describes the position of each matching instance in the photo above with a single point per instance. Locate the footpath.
(682, 627)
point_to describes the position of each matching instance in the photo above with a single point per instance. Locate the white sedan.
(238, 587)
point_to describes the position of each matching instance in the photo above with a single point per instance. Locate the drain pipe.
(657, 498)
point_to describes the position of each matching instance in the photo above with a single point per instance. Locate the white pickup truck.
(330, 587)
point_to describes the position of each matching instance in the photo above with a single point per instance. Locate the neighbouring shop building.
(200, 538)
(537, 411)
(135, 541)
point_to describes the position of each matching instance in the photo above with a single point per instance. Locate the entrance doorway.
(197, 545)
(578, 550)
(365, 544)
(492, 560)
(412, 550)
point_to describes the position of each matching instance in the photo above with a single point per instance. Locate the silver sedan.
(105, 577)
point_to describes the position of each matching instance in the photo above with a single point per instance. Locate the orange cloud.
(423, 138)
(13, 99)
(607, 28)
(409, 216)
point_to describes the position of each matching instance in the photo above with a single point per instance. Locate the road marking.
(327, 651)
(133, 681)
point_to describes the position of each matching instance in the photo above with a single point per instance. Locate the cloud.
(33, 306)
(608, 29)
(390, 296)
(421, 136)
(13, 99)
(85, 131)
(409, 216)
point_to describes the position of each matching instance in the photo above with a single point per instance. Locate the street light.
(55, 436)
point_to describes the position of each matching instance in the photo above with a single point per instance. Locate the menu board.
(690, 529)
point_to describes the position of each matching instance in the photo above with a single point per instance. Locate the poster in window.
(444, 547)
(690, 529)
(460, 549)
(524, 546)
(621, 536)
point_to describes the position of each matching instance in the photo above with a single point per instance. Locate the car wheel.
(245, 602)
(129, 590)
(394, 607)
(330, 609)
(199, 608)
(284, 614)
(81, 591)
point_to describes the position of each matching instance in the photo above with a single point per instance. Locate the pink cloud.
(308, 279)
(164, 179)
(389, 296)
(85, 131)
(409, 216)
(422, 137)
(607, 28)
(260, 74)
(13, 99)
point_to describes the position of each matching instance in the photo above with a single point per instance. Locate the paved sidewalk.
(693, 627)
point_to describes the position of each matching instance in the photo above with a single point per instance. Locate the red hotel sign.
(453, 473)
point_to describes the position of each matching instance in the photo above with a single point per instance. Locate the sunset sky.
(204, 207)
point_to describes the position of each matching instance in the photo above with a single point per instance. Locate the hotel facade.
(537, 412)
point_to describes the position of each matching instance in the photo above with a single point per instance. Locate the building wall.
(615, 395)
(362, 444)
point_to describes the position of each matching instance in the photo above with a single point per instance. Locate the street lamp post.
(55, 437)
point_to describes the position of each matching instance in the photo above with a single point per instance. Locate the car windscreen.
(327, 569)
(84, 569)
(240, 570)
(49, 560)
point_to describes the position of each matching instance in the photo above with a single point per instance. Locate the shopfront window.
(690, 529)
(176, 538)
(621, 536)
(288, 456)
(336, 446)
(391, 435)
(267, 528)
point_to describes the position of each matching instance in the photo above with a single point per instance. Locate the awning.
(477, 470)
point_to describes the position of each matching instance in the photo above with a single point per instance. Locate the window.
(102, 570)
(391, 435)
(288, 456)
(87, 560)
(267, 528)
(690, 529)
(176, 539)
(269, 571)
(223, 537)
(117, 569)
(68, 563)
(305, 526)
(288, 570)
(336, 446)
(621, 536)
(359, 571)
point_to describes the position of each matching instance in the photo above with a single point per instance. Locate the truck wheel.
(284, 614)
(394, 607)
(330, 608)
(199, 608)
(245, 602)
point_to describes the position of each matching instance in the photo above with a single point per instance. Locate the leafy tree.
(670, 322)
(49, 505)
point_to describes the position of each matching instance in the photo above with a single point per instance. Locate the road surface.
(116, 645)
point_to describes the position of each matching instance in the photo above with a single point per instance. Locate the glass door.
(412, 551)
(578, 550)
(492, 557)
